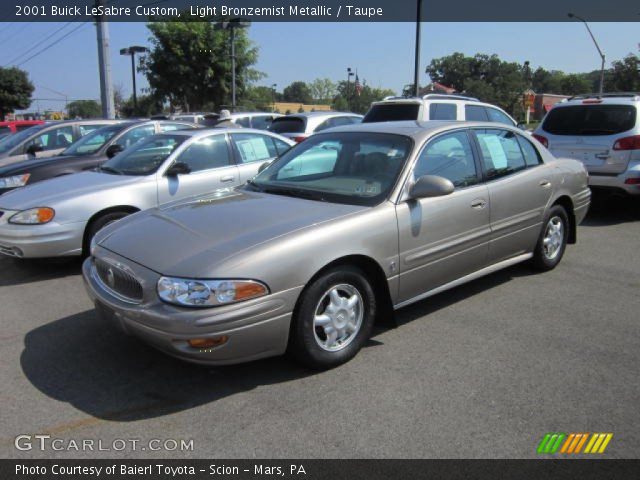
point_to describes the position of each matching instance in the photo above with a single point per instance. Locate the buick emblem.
(111, 278)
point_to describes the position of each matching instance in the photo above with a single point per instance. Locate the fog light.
(208, 342)
(17, 252)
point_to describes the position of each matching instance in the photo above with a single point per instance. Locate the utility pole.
(104, 65)
(600, 52)
(416, 67)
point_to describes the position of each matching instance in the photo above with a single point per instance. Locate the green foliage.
(190, 63)
(15, 90)
(347, 100)
(297, 92)
(148, 105)
(84, 109)
(624, 75)
(322, 90)
(259, 98)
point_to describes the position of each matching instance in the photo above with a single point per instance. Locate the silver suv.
(436, 106)
(603, 132)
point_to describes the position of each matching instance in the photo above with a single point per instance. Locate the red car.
(8, 128)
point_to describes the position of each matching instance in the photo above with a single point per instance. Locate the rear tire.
(333, 319)
(552, 241)
(98, 224)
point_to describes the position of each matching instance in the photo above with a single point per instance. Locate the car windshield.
(92, 142)
(145, 157)
(353, 168)
(12, 141)
(590, 120)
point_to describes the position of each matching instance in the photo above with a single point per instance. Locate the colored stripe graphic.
(572, 443)
(598, 443)
(551, 442)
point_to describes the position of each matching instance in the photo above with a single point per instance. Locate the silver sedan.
(339, 231)
(59, 217)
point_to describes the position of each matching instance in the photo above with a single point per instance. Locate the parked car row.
(225, 245)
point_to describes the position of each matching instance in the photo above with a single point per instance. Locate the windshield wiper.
(254, 185)
(108, 169)
(295, 192)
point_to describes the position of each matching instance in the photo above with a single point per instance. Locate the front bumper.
(617, 182)
(39, 241)
(255, 329)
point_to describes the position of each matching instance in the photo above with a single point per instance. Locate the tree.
(625, 76)
(148, 105)
(258, 98)
(322, 90)
(190, 63)
(347, 98)
(84, 109)
(15, 90)
(574, 84)
(297, 92)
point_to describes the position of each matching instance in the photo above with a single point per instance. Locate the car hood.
(189, 238)
(51, 192)
(25, 165)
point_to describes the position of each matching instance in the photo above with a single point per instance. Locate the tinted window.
(243, 122)
(496, 115)
(206, 153)
(449, 156)
(287, 125)
(392, 112)
(53, 139)
(443, 111)
(93, 141)
(145, 157)
(339, 121)
(87, 128)
(324, 125)
(261, 122)
(531, 155)
(12, 141)
(475, 113)
(590, 120)
(135, 134)
(501, 154)
(281, 146)
(251, 147)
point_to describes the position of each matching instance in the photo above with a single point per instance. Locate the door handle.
(228, 178)
(602, 156)
(479, 203)
(545, 183)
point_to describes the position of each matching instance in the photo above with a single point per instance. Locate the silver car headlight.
(14, 181)
(208, 293)
(33, 216)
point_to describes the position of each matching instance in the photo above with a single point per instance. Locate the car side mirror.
(113, 150)
(263, 167)
(431, 186)
(178, 168)
(34, 148)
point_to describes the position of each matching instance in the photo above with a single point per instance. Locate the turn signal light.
(541, 139)
(208, 342)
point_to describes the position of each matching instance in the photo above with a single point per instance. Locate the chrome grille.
(120, 283)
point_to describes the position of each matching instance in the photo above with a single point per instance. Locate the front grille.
(122, 284)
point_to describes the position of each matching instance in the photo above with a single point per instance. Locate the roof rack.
(445, 96)
(605, 95)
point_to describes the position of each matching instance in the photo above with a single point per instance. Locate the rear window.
(475, 113)
(590, 120)
(287, 125)
(392, 112)
(442, 111)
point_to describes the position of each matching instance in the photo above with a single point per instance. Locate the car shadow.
(14, 271)
(607, 209)
(86, 362)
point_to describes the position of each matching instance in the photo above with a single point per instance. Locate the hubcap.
(338, 317)
(553, 238)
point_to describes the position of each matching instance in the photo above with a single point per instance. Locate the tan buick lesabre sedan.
(336, 233)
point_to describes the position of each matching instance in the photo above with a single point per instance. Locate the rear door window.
(53, 139)
(443, 111)
(392, 112)
(501, 153)
(449, 156)
(475, 113)
(531, 154)
(243, 122)
(590, 120)
(252, 147)
(496, 115)
(135, 135)
(261, 122)
(206, 153)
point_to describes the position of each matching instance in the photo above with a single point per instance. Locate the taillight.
(627, 143)
(632, 181)
(299, 139)
(541, 139)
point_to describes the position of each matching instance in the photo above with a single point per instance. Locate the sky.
(382, 53)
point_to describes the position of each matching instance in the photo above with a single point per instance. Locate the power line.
(53, 43)
(8, 30)
(23, 54)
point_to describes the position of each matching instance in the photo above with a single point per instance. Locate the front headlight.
(33, 216)
(15, 181)
(208, 293)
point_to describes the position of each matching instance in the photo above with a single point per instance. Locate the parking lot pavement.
(484, 370)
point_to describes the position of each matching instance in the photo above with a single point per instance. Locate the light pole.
(602, 57)
(349, 75)
(231, 25)
(416, 71)
(273, 97)
(132, 51)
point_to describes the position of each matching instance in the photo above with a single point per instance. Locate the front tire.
(333, 319)
(553, 239)
(97, 225)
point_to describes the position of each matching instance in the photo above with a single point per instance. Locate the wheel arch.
(128, 209)
(566, 202)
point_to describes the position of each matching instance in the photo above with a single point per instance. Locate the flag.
(358, 85)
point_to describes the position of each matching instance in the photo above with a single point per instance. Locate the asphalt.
(482, 371)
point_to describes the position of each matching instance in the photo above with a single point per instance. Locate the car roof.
(418, 130)
(597, 99)
(323, 113)
(209, 130)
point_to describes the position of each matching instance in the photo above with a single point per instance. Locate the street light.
(231, 25)
(273, 97)
(349, 75)
(602, 57)
(132, 51)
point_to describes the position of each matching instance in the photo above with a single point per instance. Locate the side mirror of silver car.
(431, 186)
(178, 168)
(113, 150)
